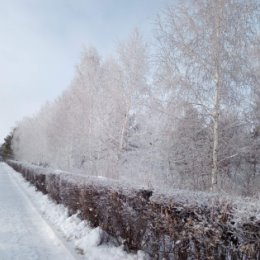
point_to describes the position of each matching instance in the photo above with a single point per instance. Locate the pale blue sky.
(41, 41)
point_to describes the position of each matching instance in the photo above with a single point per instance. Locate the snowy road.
(24, 235)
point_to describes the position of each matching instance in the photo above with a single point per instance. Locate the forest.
(181, 111)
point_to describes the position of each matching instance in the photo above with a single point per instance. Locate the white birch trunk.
(214, 173)
(121, 143)
(217, 97)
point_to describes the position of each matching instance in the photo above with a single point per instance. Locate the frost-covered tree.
(6, 150)
(133, 62)
(89, 127)
(189, 151)
(134, 71)
(203, 57)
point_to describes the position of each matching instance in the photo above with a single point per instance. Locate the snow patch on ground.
(85, 240)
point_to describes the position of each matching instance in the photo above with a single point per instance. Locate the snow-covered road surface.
(24, 235)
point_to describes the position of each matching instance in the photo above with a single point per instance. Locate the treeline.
(186, 116)
(6, 151)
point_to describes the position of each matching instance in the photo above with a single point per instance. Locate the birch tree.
(133, 62)
(203, 57)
